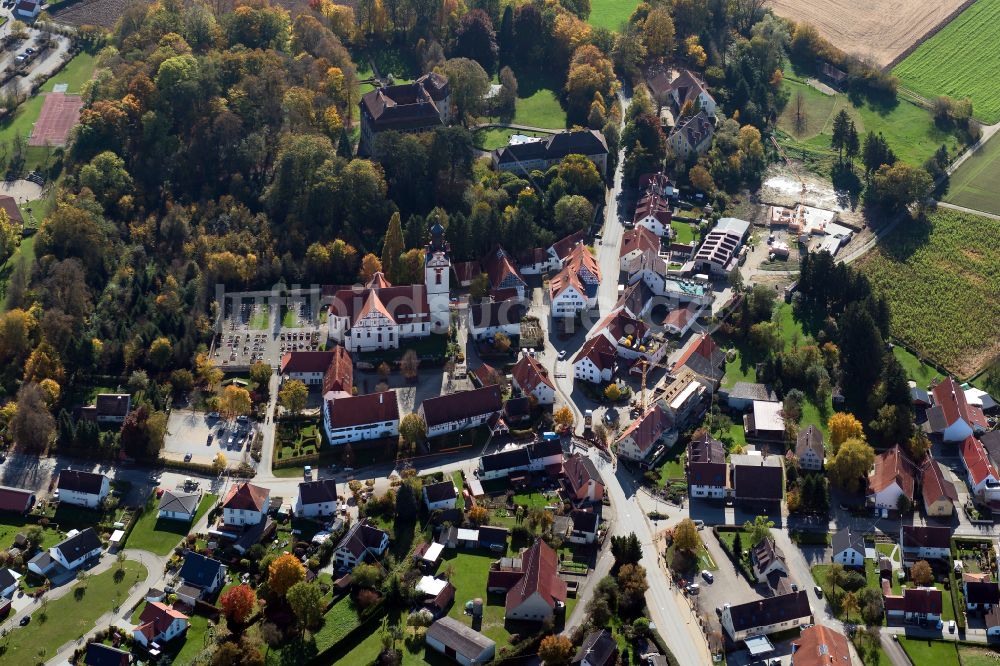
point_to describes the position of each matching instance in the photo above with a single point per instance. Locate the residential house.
(582, 480)
(561, 250)
(501, 464)
(599, 648)
(981, 475)
(77, 548)
(766, 616)
(719, 253)
(200, 577)
(9, 205)
(534, 591)
(8, 582)
(952, 416)
(767, 559)
(849, 548)
(16, 500)
(758, 481)
(308, 367)
(635, 243)
(809, 449)
(692, 135)
(531, 379)
(893, 477)
(460, 642)
(546, 454)
(574, 289)
(488, 318)
(178, 505)
(981, 594)
(916, 604)
(821, 646)
(380, 316)
(584, 526)
(410, 107)
(245, 504)
(108, 408)
(83, 488)
(99, 654)
(924, 543)
(159, 623)
(742, 395)
(687, 88)
(440, 495)
(679, 320)
(316, 498)
(595, 362)
(438, 595)
(357, 418)
(639, 441)
(523, 158)
(938, 492)
(707, 471)
(362, 542)
(460, 411)
(654, 213)
(765, 421)
(704, 358)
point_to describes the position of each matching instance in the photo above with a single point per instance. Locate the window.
(437, 277)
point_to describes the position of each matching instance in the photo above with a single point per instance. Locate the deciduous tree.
(234, 401)
(844, 426)
(286, 570)
(306, 600)
(686, 536)
(238, 603)
(759, 529)
(922, 574)
(851, 464)
(412, 428)
(556, 650)
(293, 396)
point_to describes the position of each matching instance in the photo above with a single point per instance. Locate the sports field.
(610, 14)
(962, 60)
(976, 184)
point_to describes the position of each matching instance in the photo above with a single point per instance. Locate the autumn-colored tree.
(392, 248)
(851, 463)
(260, 375)
(613, 393)
(849, 604)
(160, 352)
(370, 265)
(306, 600)
(409, 364)
(286, 570)
(844, 426)
(238, 603)
(563, 417)
(52, 391)
(501, 342)
(686, 536)
(555, 650)
(219, 463)
(922, 574)
(293, 396)
(701, 180)
(234, 401)
(478, 515)
(633, 585)
(205, 370)
(412, 428)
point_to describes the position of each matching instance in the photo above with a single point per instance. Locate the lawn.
(939, 653)
(77, 71)
(161, 536)
(909, 129)
(69, 618)
(974, 655)
(497, 137)
(819, 572)
(11, 525)
(976, 183)
(684, 231)
(916, 369)
(960, 61)
(540, 109)
(459, 484)
(194, 641)
(260, 319)
(610, 14)
(290, 319)
(940, 280)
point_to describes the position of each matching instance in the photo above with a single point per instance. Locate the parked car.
(819, 592)
(25, 620)
(707, 575)
(700, 524)
(29, 51)
(212, 415)
(693, 588)
(951, 627)
(210, 438)
(187, 457)
(562, 354)
(795, 588)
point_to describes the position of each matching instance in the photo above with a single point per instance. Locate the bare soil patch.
(878, 29)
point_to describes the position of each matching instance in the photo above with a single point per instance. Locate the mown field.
(909, 129)
(941, 281)
(610, 14)
(960, 61)
(976, 184)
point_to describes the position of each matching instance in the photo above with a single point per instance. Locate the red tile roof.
(15, 499)
(358, 410)
(703, 346)
(529, 373)
(653, 205)
(246, 496)
(639, 238)
(156, 618)
(648, 428)
(406, 304)
(933, 485)
(922, 600)
(541, 574)
(821, 646)
(916, 536)
(563, 246)
(599, 350)
(893, 466)
(340, 373)
(305, 361)
(680, 317)
(976, 461)
(951, 398)
(579, 471)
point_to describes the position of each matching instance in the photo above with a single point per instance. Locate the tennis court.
(59, 113)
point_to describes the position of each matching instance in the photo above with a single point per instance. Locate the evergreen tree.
(415, 234)
(392, 248)
(861, 358)
(841, 126)
(65, 429)
(406, 503)
(505, 39)
(345, 148)
(738, 544)
(851, 142)
(875, 153)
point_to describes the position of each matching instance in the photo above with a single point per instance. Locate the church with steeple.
(380, 316)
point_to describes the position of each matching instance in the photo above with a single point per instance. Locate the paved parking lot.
(188, 432)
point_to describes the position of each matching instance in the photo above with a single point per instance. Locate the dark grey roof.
(936, 419)
(99, 654)
(982, 593)
(461, 405)
(496, 313)
(505, 460)
(439, 492)
(79, 545)
(919, 395)
(113, 404)
(916, 536)
(585, 521)
(810, 438)
(360, 538)
(492, 535)
(81, 482)
(6, 578)
(463, 639)
(991, 442)
(198, 570)
(845, 538)
(318, 492)
(545, 448)
(561, 144)
(770, 610)
(599, 649)
(179, 502)
(757, 481)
